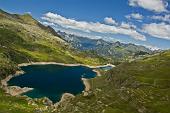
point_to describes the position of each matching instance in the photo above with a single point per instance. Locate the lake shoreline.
(17, 91)
(63, 64)
(14, 90)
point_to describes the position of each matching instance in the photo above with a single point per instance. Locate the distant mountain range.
(104, 48)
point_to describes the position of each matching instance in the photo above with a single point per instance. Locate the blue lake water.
(105, 68)
(52, 80)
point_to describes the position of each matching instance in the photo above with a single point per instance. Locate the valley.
(139, 83)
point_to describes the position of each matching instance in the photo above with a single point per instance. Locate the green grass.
(21, 50)
(9, 104)
(139, 86)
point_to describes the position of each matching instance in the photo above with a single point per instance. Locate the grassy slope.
(141, 86)
(23, 39)
(29, 41)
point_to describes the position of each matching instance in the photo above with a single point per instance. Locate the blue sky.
(145, 22)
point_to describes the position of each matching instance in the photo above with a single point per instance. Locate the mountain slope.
(113, 50)
(24, 39)
(142, 86)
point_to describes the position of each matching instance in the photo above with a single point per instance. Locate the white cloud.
(91, 26)
(165, 18)
(160, 30)
(127, 25)
(152, 5)
(109, 20)
(134, 16)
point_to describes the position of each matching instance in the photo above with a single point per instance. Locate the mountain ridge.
(114, 50)
(32, 33)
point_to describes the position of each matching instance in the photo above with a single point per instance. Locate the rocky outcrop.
(66, 97)
(15, 90)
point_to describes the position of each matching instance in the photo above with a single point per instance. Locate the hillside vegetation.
(24, 39)
(142, 86)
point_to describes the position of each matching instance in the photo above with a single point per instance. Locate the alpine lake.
(52, 81)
